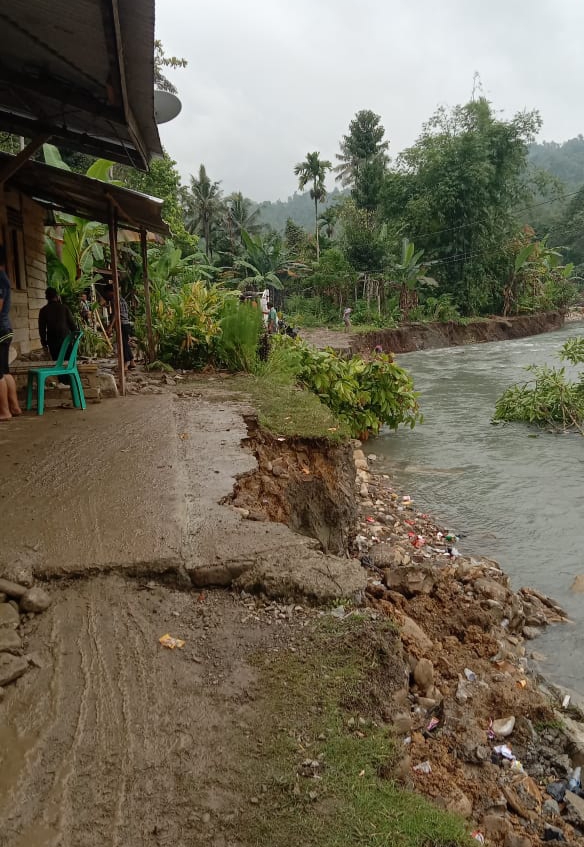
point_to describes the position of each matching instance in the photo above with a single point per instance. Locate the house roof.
(88, 198)
(83, 72)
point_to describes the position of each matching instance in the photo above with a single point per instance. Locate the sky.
(270, 80)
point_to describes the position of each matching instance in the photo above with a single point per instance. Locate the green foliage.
(550, 399)
(363, 159)
(241, 327)
(205, 209)
(93, 344)
(333, 276)
(365, 395)
(313, 170)
(440, 309)
(364, 315)
(311, 311)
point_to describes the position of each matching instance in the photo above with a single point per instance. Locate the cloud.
(269, 80)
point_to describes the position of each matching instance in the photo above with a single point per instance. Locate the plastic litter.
(470, 675)
(432, 724)
(505, 751)
(557, 790)
(574, 781)
(423, 767)
(170, 642)
(478, 836)
(453, 552)
(566, 701)
(338, 612)
(419, 541)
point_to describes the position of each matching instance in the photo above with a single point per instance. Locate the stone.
(530, 632)
(513, 840)
(410, 579)
(410, 631)
(491, 588)
(18, 573)
(107, 385)
(12, 589)
(503, 727)
(11, 667)
(35, 600)
(9, 640)
(553, 833)
(9, 616)
(496, 826)
(424, 674)
(402, 723)
(577, 586)
(460, 804)
(550, 808)
(574, 810)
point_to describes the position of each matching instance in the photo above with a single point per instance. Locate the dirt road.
(116, 740)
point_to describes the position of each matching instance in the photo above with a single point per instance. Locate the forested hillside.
(563, 160)
(298, 207)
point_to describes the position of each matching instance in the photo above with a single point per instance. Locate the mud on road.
(115, 740)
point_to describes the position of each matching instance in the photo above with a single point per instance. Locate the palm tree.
(327, 220)
(242, 216)
(204, 207)
(314, 169)
(410, 275)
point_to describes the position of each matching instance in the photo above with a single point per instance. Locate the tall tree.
(241, 215)
(313, 169)
(204, 207)
(161, 60)
(363, 159)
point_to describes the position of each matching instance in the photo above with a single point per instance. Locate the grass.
(283, 409)
(312, 697)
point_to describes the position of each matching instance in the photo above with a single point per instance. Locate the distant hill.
(298, 207)
(564, 160)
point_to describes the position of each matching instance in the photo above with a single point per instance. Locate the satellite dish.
(166, 106)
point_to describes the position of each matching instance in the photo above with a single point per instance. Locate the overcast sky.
(270, 80)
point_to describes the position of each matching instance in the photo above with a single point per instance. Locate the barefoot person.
(8, 399)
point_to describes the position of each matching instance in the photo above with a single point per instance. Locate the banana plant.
(411, 277)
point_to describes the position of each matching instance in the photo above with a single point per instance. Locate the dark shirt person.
(55, 323)
(126, 324)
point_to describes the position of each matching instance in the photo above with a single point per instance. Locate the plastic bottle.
(574, 781)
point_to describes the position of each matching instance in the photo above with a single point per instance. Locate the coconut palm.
(327, 220)
(313, 170)
(204, 207)
(241, 215)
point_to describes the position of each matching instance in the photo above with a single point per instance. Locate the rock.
(574, 810)
(550, 808)
(459, 804)
(424, 674)
(35, 600)
(9, 616)
(530, 632)
(18, 573)
(402, 723)
(496, 826)
(11, 667)
(364, 490)
(491, 588)
(503, 727)
(577, 586)
(513, 840)
(9, 640)
(107, 385)
(410, 631)
(553, 833)
(12, 589)
(410, 580)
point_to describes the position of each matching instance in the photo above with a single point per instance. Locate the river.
(515, 494)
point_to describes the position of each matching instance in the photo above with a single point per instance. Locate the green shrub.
(364, 394)
(241, 329)
(310, 311)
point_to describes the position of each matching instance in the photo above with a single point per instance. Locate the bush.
(549, 399)
(364, 314)
(241, 328)
(365, 395)
(311, 311)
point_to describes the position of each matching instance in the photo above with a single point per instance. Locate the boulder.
(491, 589)
(424, 674)
(574, 810)
(11, 667)
(504, 726)
(402, 723)
(12, 589)
(577, 586)
(459, 803)
(9, 640)
(496, 826)
(8, 616)
(35, 600)
(18, 573)
(412, 633)
(107, 385)
(410, 579)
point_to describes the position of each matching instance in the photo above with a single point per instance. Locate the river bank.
(434, 335)
(480, 734)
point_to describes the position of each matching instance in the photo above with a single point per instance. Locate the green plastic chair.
(58, 369)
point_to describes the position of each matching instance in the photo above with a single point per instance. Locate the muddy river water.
(514, 494)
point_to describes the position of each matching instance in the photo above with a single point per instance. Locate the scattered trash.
(423, 767)
(170, 642)
(338, 612)
(566, 701)
(453, 552)
(451, 536)
(521, 683)
(419, 541)
(432, 724)
(557, 790)
(470, 675)
(406, 499)
(478, 836)
(505, 751)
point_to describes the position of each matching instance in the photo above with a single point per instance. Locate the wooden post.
(12, 165)
(147, 310)
(113, 232)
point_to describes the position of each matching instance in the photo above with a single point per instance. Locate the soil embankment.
(432, 336)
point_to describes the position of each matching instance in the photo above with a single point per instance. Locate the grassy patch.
(284, 409)
(324, 706)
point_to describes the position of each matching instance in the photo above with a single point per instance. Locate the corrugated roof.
(87, 198)
(83, 71)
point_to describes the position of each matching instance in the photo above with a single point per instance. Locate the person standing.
(8, 400)
(129, 364)
(272, 318)
(55, 323)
